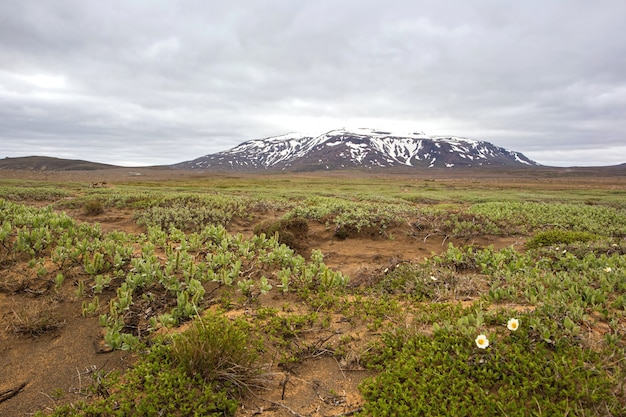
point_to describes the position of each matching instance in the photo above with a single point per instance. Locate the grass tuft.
(35, 318)
(220, 351)
(93, 208)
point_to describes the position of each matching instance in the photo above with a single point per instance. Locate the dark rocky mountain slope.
(360, 148)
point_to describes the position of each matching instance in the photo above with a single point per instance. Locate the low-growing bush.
(93, 207)
(291, 232)
(424, 282)
(153, 387)
(192, 213)
(220, 352)
(200, 372)
(29, 192)
(451, 374)
(559, 237)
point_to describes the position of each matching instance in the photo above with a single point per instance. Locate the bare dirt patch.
(54, 366)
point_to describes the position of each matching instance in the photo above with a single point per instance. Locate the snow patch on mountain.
(357, 148)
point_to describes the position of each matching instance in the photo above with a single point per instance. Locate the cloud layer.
(159, 82)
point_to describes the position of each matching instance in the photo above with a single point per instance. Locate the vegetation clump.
(192, 213)
(93, 208)
(35, 318)
(292, 232)
(220, 352)
(559, 237)
(427, 283)
(203, 371)
(447, 374)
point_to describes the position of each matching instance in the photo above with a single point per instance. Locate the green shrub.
(447, 374)
(192, 213)
(199, 373)
(527, 217)
(93, 208)
(153, 387)
(423, 282)
(291, 232)
(559, 237)
(220, 351)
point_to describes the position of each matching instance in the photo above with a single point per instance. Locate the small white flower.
(608, 269)
(482, 342)
(512, 325)
(433, 278)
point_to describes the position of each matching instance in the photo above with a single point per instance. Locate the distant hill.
(357, 149)
(46, 163)
(362, 150)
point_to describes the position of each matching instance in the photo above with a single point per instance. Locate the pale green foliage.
(524, 217)
(356, 215)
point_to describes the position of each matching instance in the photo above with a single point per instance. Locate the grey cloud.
(173, 80)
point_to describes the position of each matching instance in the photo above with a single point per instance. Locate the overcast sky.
(149, 82)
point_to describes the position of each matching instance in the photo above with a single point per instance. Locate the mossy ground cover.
(221, 323)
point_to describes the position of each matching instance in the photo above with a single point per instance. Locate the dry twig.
(10, 393)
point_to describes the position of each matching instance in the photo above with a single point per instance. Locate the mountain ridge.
(357, 148)
(49, 163)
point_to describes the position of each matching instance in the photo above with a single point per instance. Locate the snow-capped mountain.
(357, 148)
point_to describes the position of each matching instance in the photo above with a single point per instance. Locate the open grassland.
(312, 295)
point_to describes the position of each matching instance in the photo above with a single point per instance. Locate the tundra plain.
(158, 292)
